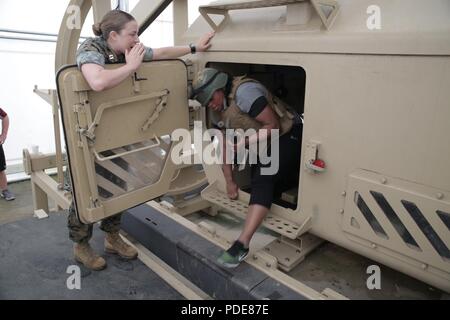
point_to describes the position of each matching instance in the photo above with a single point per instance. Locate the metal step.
(239, 208)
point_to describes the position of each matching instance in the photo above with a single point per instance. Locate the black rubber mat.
(195, 258)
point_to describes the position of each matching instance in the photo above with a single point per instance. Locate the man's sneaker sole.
(234, 265)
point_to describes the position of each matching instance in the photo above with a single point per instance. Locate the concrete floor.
(33, 261)
(21, 207)
(36, 262)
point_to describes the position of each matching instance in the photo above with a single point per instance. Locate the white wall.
(24, 64)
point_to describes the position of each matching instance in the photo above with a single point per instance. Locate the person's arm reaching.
(202, 45)
(100, 79)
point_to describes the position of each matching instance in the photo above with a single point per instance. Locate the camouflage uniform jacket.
(96, 50)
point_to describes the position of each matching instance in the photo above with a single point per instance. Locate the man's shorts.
(2, 159)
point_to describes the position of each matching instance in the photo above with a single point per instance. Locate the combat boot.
(85, 254)
(115, 244)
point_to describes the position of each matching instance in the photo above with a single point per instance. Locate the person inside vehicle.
(244, 103)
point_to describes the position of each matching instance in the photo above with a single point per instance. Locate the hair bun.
(96, 28)
(114, 20)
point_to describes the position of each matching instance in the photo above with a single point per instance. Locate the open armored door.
(118, 141)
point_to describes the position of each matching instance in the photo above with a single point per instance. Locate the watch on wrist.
(193, 48)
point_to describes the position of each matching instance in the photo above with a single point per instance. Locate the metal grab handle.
(222, 9)
(100, 158)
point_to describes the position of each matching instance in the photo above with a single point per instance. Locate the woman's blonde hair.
(114, 20)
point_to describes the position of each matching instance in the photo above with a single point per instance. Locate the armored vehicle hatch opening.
(287, 83)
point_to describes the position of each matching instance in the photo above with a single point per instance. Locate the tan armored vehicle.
(372, 83)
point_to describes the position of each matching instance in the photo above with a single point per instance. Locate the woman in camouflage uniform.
(117, 41)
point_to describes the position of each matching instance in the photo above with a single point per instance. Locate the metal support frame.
(289, 253)
(146, 12)
(42, 185)
(180, 20)
(52, 98)
(100, 8)
(48, 188)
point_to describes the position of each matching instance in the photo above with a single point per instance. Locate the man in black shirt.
(4, 192)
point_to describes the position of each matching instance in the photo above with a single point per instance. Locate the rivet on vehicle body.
(268, 265)
(255, 257)
(341, 211)
(374, 246)
(344, 194)
(424, 266)
(439, 195)
(383, 180)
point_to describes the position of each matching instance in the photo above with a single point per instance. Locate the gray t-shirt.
(251, 98)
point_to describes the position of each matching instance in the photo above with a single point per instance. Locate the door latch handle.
(136, 84)
(312, 161)
(137, 78)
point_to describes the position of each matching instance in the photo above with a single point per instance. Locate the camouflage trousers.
(79, 232)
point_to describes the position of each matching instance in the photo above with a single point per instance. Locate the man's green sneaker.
(233, 256)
